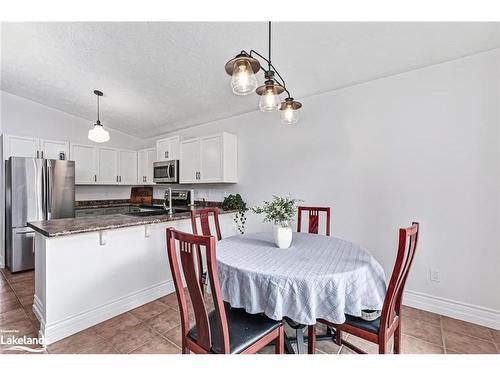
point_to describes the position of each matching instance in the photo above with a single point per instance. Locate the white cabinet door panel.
(189, 164)
(211, 159)
(127, 167)
(162, 148)
(21, 146)
(168, 148)
(108, 166)
(52, 149)
(85, 158)
(141, 167)
(174, 148)
(150, 159)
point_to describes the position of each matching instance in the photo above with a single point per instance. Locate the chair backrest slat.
(314, 213)
(189, 248)
(203, 216)
(408, 238)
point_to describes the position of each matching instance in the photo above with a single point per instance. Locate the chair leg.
(280, 342)
(381, 347)
(397, 340)
(311, 339)
(338, 336)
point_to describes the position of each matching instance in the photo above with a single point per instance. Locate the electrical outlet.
(434, 273)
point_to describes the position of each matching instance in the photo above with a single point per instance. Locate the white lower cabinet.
(209, 159)
(86, 162)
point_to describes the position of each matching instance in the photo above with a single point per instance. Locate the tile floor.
(155, 328)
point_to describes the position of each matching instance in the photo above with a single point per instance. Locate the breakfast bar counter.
(65, 227)
(88, 270)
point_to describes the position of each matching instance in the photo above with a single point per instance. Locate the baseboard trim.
(454, 309)
(52, 332)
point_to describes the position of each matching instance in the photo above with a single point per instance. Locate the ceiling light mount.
(243, 68)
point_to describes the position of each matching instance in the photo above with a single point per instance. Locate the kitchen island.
(88, 270)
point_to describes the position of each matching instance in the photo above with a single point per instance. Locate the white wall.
(421, 146)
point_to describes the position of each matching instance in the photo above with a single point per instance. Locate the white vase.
(282, 235)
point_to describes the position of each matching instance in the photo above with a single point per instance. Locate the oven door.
(166, 172)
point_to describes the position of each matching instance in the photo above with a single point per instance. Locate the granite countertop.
(66, 227)
(109, 205)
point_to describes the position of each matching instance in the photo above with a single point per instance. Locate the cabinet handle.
(120, 178)
(167, 154)
(37, 154)
(41, 153)
(95, 178)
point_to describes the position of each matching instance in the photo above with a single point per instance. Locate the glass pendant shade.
(289, 116)
(269, 102)
(243, 80)
(289, 111)
(98, 134)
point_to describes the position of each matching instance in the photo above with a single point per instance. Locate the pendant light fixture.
(97, 133)
(242, 70)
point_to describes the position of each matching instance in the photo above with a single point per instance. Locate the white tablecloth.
(317, 277)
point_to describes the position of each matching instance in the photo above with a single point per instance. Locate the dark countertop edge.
(144, 220)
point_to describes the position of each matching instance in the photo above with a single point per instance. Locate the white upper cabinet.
(53, 149)
(141, 167)
(86, 162)
(21, 146)
(30, 147)
(127, 167)
(168, 148)
(145, 160)
(103, 165)
(209, 159)
(189, 163)
(108, 166)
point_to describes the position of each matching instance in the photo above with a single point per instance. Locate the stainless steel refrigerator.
(35, 189)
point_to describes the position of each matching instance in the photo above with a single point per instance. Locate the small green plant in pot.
(280, 211)
(235, 202)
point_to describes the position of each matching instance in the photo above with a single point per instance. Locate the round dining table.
(316, 277)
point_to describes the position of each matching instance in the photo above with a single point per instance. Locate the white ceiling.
(163, 76)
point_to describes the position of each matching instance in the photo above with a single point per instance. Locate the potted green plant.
(280, 211)
(235, 202)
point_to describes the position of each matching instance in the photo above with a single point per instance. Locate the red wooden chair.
(224, 329)
(203, 216)
(380, 330)
(314, 218)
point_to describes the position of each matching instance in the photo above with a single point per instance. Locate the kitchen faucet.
(168, 195)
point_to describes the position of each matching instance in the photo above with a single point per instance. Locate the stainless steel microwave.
(166, 172)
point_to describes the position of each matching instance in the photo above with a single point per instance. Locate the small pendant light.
(97, 133)
(289, 113)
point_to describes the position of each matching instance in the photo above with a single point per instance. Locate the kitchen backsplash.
(211, 193)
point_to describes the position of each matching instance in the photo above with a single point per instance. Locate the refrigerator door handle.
(49, 190)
